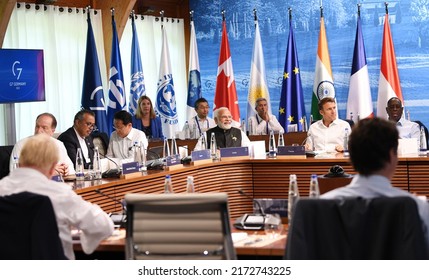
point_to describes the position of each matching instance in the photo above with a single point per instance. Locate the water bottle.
(136, 152)
(243, 126)
(190, 188)
(15, 163)
(195, 133)
(423, 142)
(166, 149)
(293, 196)
(346, 142)
(96, 163)
(314, 187)
(281, 141)
(213, 147)
(304, 124)
(187, 131)
(203, 142)
(143, 165)
(79, 166)
(250, 131)
(272, 150)
(174, 150)
(168, 185)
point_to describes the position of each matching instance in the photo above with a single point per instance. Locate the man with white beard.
(226, 135)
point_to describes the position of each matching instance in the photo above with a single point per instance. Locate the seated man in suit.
(47, 123)
(124, 136)
(327, 134)
(263, 121)
(406, 128)
(39, 156)
(79, 136)
(226, 135)
(373, 147)
(201, 122)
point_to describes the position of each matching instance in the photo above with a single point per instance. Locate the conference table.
(259, 178)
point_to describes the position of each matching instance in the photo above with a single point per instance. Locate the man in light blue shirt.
(373, 149)
(406, 128)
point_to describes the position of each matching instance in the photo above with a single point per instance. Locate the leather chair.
(29, 228)
(178, 226)
(356, 228)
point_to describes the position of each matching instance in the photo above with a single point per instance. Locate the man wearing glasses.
(79, 136)
(201, 122)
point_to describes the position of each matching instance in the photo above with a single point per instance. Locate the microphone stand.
(111, 173)
(251, 221)
(118, 219)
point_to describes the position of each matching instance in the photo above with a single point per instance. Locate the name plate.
(234, 152)
(130, 167)
(173, 160)
(271, 206)
(291, 151)
(200, 155)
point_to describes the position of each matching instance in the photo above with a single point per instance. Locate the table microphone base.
(250, 222)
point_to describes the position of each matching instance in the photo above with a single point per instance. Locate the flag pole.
(321, 11)
(358, 6)
(290, 14)
(386, 4)
(191, 14)
(255, 15)
(162, 18)
(223, 15)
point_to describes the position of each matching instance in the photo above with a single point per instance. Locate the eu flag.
(92, 89)
(137, 78)
(117, 98)
(291, 109)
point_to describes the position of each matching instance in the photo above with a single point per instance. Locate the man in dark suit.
(79, 136)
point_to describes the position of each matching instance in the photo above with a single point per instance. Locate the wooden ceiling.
(171, 8)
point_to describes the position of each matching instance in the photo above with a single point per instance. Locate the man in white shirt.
(328, 133)
(373, 147)
(263, 122)
(201, 122)
(124, 136)
(38, 159)
(406, 128)
(46, 123)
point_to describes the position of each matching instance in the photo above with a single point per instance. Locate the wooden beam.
(6, 9)
(123, 9)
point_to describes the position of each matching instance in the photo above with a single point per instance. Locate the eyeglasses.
(91, 125)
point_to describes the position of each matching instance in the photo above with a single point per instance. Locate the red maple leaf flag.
(226, 93)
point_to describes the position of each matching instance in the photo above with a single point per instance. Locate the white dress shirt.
(70, 208)
(379, 186)
(325, 138)
(408, 129)
(198, 126)
(64, 158)
(121, 147)
(260, 127)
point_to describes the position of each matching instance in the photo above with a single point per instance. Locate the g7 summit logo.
(16, 70)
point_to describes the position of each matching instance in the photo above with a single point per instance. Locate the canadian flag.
(226, 93)
(388, 85)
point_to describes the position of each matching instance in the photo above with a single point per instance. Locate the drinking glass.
(273, 226)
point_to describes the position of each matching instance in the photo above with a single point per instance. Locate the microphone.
(111, 173)
(251, 221)
(260, 208)
(118, 219)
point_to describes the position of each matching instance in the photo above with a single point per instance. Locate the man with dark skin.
(406, 128)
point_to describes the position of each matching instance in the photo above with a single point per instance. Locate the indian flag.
(323, 85)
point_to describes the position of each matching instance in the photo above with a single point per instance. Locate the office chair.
(178, 226)
(154, 153)
(29, 228)
(356, 228)
(5, 152)
(425, 130)
(100, 140)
